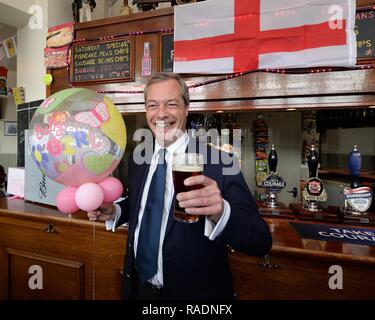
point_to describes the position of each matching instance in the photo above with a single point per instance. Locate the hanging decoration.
(2, 54)
(197, 84)
(240, 74)
(10, 47)
(18, 95)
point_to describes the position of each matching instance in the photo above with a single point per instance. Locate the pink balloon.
(89, 196)
(65, 200)
(112, 189)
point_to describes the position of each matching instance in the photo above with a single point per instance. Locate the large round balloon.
(77, 136)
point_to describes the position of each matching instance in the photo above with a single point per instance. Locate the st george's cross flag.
(227, 36)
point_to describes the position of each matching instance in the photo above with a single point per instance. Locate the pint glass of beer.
(185, 165)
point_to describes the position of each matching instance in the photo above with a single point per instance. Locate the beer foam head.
(187, 168)
(188, 160)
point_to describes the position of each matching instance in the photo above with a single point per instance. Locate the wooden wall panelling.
(363, 3)
(61, 279)
(60, 80)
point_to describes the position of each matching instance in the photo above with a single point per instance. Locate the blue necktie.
(149, 233)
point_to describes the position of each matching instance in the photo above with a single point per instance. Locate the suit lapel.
(143, 172)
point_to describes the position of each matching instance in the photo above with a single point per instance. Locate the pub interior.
(309, 133)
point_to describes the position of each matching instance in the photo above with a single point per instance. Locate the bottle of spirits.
(146, 60)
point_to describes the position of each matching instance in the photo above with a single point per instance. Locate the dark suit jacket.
(195, 267)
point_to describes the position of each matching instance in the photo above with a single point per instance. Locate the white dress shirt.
(212, 229)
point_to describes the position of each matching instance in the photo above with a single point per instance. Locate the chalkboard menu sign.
(103, 61)
(365, 31)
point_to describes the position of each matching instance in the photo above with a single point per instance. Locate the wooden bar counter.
(81, 260)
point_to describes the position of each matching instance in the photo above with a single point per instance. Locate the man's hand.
(204, 201)
(105, 212)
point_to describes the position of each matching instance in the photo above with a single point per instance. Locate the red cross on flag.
(226, 36)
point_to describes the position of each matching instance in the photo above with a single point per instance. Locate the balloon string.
(93, 262)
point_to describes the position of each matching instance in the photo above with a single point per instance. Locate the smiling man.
(166, 258)
(166, 105)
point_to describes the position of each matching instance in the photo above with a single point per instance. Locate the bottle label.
(146, 60)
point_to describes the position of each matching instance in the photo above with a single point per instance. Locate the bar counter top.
(285, 239)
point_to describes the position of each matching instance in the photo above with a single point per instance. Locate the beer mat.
(333, 233)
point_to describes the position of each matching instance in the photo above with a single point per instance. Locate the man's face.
(165, 111)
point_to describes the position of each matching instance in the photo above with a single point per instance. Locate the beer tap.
(314, 186)
(272, 159)
(273, 183)
(272, 165)
(314, 193)
(312, 162)
(355, 162)
(357, 198)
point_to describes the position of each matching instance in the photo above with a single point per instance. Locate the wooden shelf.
(326, 173)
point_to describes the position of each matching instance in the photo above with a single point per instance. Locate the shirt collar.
(180, 143)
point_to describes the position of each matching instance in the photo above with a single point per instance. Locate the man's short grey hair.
(164, 76)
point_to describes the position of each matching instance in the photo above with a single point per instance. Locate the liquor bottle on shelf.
(146, 60)
(125, 9)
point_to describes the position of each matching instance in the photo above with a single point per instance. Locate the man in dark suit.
(191, 258)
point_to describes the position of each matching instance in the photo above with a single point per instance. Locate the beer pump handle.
(312, 162)
(272, 159)
(355, 162)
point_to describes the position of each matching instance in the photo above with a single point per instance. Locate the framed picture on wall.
(166, 61)
(10, 128)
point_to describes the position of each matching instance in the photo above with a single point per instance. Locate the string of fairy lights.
(203, 82)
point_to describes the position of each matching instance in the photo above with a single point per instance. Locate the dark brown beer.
(180, 173)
